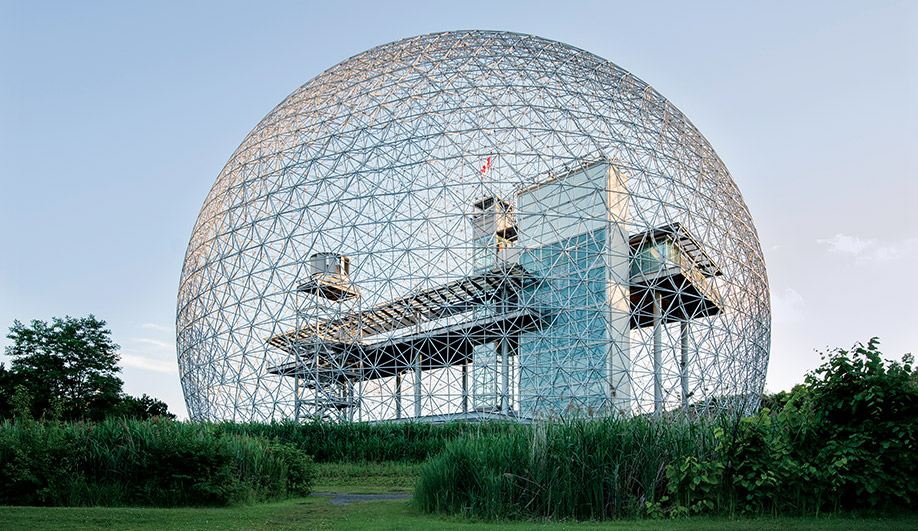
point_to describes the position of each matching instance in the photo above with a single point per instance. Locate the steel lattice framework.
(472, 224)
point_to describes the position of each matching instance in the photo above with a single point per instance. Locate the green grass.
(125, 462)
(375, 478)
(330, 442)
(316, 513)
(388, 477)
(577, 469)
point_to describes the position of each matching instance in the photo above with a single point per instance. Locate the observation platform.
(422, 330)
(668, 263)
(439, 327)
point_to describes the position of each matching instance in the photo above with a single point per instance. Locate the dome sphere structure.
(472, 224)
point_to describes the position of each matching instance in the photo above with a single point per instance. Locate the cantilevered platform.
(680, 280)
(431, 349)
(379, 342)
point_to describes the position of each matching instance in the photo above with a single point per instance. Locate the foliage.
(844, 441)
(847, 440)
(36, 459)
(777, 401)
(694, 486)
(143, 408)
(410, 442)
(68, 369)
(757, 463)
(579, 468)
(71, 358)
(21, 403)
(865, 425)
(157, 462)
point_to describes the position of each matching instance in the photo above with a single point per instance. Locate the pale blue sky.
(116, 117)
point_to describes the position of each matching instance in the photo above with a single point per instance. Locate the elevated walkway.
(431, 329)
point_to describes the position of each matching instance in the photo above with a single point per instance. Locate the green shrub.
(845, 441)
(864, 427)
(694, 486)
(35, 458)
(158, 462)
(411, 442)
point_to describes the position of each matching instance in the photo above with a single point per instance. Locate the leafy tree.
(7, 384)
(69, 368)
(778, 401)
(865, 423)
(73, 359)
(143, 408)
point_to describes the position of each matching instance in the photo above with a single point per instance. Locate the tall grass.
(769, 464)
(581, 469)
(397, 475)
(411, 442)
(162, 463)
(157, 463)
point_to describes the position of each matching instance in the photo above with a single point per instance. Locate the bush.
(845, 441)
(130, 462)
(411, 442)
(864, 426)
(35, 459)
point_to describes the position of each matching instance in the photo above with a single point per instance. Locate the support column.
(296, 395)
(350, 401)
(298, 383)
(505, 375)
(683, 362)
(465, 387)
(618, 318)
(657, 352)
(359, 398)
(417, 388)
(398, 394)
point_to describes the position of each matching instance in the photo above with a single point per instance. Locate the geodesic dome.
(472, 224)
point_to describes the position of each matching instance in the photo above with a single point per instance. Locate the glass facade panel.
(654, 257)
(562, 365)
(485, 370)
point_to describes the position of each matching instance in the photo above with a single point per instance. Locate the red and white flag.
(486, 167)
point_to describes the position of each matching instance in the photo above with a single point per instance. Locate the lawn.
(316, 512)
(366, 478)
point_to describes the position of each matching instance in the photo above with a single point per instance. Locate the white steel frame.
(383, 158)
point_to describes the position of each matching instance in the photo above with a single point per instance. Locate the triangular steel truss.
(515, 228)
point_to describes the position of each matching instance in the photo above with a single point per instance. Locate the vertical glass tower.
(574, 239)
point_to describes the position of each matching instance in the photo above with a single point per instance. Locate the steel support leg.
(465, 387)
(505, 375)
(683, 361)
(398, 395)
(417, 389)
(657, 352)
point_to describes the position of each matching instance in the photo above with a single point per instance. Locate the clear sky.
(116, 117)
